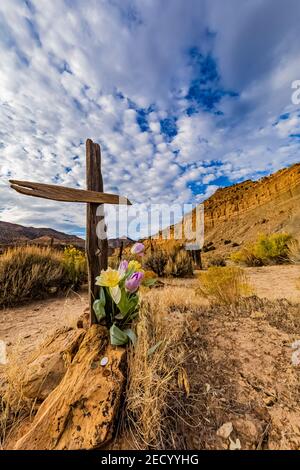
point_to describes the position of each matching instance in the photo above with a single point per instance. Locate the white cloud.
(65, 66)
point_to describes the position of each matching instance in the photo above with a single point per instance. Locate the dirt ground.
(275, 282)
(240, 369)
(24, 327)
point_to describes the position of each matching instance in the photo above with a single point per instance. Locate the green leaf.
(117, 336)
(99, 305)
(102, 296)
(99, 310)
(154, 348)
(131, 335)
(127, 304)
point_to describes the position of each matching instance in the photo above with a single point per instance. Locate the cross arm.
(61, 193)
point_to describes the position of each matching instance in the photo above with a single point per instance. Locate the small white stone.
(225, 430)
(296, 358)
(104, 361)
(235, 445)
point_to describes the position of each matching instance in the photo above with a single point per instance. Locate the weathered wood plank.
(60, 193)
(96, 249)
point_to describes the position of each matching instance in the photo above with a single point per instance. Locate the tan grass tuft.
(158, 384)
(14, 406)
(224, 285)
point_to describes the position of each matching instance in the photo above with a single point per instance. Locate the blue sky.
(183, 96)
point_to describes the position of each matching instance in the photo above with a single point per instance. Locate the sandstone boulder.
(84, 320)
(80, 413)
(48, 364)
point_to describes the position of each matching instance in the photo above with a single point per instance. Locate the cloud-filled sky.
(184, 96)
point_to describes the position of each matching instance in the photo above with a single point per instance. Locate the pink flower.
(133, 282)
(138, 249)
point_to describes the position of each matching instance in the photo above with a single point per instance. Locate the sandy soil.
(276, 282)
(240, 363)
(243, 373)
(23, 328)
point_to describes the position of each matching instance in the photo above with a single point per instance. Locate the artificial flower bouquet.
(119, 297)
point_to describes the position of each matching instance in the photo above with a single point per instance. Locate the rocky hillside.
(235, 215)
(18, 234)
(13, 234)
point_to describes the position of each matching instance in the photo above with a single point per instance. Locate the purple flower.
(123, 266)
(138, 249)
(133, 282)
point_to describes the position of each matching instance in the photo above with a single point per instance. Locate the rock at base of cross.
(81, 411)
(49, 363)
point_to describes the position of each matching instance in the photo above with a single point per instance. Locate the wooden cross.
(96, 248)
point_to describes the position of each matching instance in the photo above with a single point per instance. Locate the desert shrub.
(245, 256)
(156, 261)
(208, 247)
(75, 264)
(223, 285)
(31, 272)
(179, 264)
(268, 249)
(113, 261)
(216, 261)
(273, 248)
(294, 251)
(174, 262)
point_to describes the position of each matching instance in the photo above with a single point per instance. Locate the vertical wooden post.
(96, 249)
(121, 251)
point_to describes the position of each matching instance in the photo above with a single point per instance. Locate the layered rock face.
(237, 214)
(249, 195)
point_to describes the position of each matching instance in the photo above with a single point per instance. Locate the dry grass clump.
(32, 272)
(223, 285)
(14, 406)
(178, 296)
(294, 251)
(157, 395)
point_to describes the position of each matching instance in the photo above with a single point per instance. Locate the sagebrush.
(32, 272)
(216, 261)
(173, 262)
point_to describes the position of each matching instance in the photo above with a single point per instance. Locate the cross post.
(94, 197)
(96, 249)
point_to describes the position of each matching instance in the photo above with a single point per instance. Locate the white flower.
(115, 293)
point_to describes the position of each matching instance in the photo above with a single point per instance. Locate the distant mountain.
(14, 234)
(236, 215)
(18, 234)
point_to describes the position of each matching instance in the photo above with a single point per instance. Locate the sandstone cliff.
(235, 215)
